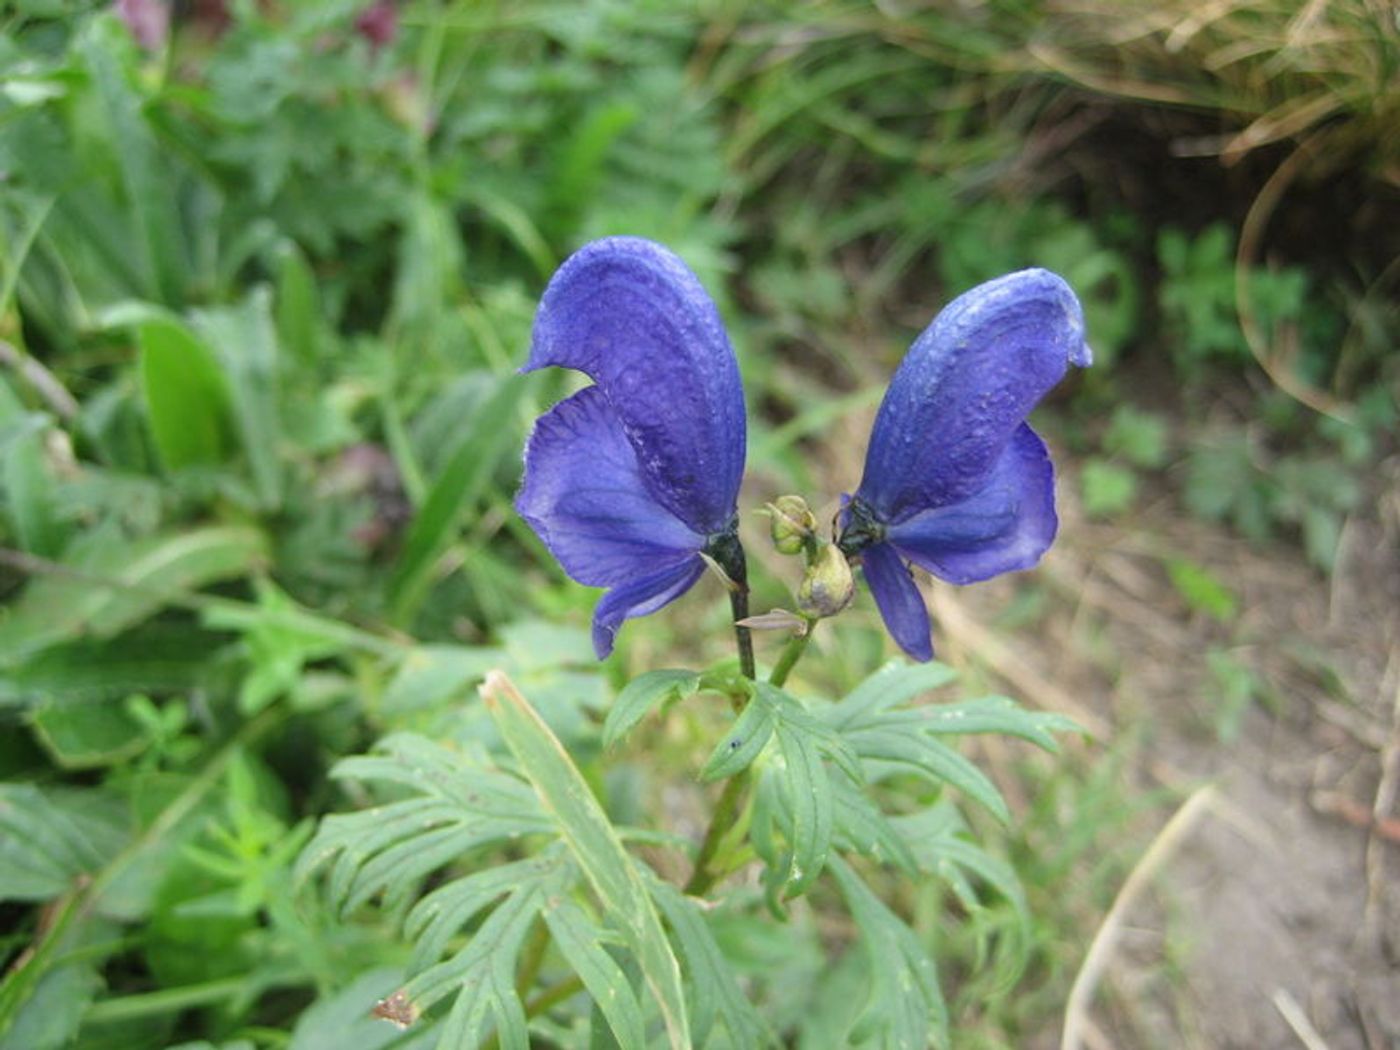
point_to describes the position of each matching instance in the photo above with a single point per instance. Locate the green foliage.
(261, 295)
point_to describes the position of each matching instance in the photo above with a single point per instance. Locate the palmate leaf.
(713, 994)
(460, 805)
(641, 695)
(585, 829)
(906, 1009)
(581, 940)
(891, 738)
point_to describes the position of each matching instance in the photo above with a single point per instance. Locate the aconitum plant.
(544, 921)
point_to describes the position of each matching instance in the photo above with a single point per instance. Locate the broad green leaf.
(906, 1006)
(50, 1018)
(154, 659)
(245, 341)
(187, 396)
(641, 695)
(581, 941)
(457, 487)
(117, 583)
(300, 329)
(88, 736)
(145, 170)
(26, 487)
(713, 991)
(585, 828)
(49, 838)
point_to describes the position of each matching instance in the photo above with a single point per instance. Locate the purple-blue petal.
(641, 597)
(898, 599)
(584, 496)
(1004, 527)
(964, 388)
(631, 315)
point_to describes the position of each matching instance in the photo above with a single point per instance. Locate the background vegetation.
(264, 281)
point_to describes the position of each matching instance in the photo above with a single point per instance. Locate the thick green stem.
(731, 800)
(796, 646)
(726, 814)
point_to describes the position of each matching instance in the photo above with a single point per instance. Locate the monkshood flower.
(955, 481)
(628, 481)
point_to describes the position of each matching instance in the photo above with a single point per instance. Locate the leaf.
(1202, 590)
(483, 975)
(48, 839)
(187, 396)
(457, 487)
(245, 340)
(995, 714)
(939, 764)
(343, 1022)
(26, 487)
(300, 329)
(892, 685)
(118, 583)
(641, 695)
(51, 1017)
(155, 659)
(714, 991)
(807, 787)
(580, 940)
(145, 171)
(906, 1006)
(742, 744)
(595, 845)
(458, 805)
(88, 736)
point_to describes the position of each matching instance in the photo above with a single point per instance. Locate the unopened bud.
(793, 524)
(828, 586)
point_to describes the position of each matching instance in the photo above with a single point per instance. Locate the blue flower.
(628, 481)
(955, 481)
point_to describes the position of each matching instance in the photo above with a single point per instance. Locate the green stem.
(731, 801)
(165, 1001)
(796, 646)
(727, 811)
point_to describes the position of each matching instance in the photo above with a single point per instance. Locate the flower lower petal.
(898, 599)
(965, 386)
(584, 496)
(631, 315)
(1004, 527)
(640, 597)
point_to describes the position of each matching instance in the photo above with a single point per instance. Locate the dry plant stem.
(1100, 952)
(731, 800)
(1296, 1019)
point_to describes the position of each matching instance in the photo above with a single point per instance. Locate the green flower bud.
(793, 524)
(828, 586)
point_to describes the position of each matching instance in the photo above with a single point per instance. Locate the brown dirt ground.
(1284, 889)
